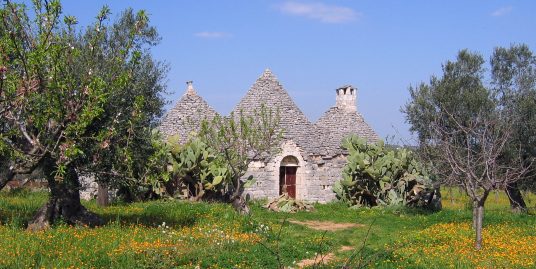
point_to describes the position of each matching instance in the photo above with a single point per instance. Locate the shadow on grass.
(152, 214)
(17, 208)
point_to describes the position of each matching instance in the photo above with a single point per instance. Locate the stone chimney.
(346, 98)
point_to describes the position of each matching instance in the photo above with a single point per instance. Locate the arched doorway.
(287, 176)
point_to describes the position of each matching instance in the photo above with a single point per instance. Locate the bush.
(375, 175)
(197, 171)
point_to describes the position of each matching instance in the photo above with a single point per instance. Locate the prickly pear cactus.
(375, 175)
(197, 170)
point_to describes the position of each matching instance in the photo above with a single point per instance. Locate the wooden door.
(287, 180)
(290, 181)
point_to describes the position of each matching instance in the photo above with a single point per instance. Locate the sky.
(313, 47)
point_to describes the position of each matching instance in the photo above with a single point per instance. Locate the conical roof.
(186, 116)
(269, 92)
(338, 123)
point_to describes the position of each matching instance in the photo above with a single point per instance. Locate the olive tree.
(74, 100)
(467, 133)
(512, 84)
(513, 73)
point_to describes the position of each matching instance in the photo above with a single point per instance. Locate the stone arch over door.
(289, 148)
(288, 169)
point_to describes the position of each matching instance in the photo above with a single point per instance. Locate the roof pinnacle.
(267, 73)
(190, 88)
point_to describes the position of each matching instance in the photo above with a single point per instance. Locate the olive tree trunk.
(3, 182)
(103, 199)
(517, 203)
(6, 173)
(64, 202)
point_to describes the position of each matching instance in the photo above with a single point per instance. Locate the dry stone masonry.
(313, 149)
(185, 118)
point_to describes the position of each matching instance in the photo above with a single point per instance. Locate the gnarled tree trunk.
(64, 201)
(3, 182)
(239, 203)
(517, 203)
(6, 174)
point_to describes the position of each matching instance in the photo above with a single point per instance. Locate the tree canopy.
(76, 100)
(242, 139)
(473, 132)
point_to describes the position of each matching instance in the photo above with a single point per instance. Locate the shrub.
(375, 175)
(197, 171)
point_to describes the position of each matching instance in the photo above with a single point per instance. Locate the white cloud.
(318, 11)
(501, 11)
(212, 35)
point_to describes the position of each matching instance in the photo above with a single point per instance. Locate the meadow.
(179, 234)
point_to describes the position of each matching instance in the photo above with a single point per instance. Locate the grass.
(178, 234)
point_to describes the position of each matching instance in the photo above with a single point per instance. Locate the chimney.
(346, 97)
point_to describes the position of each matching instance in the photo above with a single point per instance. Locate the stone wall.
(314, 178)
(267, 174)
(89, 188)
(329, 172)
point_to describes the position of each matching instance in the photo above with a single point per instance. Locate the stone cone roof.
(268, 91)
(338, 123)
(186, 116)
(322, 138)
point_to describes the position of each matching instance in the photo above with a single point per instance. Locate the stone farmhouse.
(310, 160)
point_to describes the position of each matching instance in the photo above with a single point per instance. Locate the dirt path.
(326, 225)
(321, 259)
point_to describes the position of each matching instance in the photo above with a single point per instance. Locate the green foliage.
(211, 165)
(462, 96)
(375, 175)
(460, 91)
(197, 170)
(83, 99)
(473, 131)
(152, 172)
(513, 73)
(241, 139)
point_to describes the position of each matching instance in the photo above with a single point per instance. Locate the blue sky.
(380, 47)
